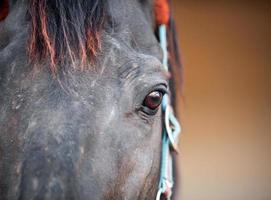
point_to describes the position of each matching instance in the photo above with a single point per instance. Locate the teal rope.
(163, 43)
(166, 159)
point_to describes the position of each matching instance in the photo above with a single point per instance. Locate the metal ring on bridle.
(159, 193)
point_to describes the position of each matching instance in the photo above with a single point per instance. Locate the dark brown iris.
(153, 100)
(4, 7)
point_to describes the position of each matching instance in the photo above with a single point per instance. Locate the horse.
(82, 84)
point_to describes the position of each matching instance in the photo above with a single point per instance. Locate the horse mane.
(174, 61)
(175, 65)
(70, 29)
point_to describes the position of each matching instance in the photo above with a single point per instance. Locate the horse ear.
(4, 9)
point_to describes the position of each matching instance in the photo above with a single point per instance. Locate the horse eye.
(4, 7)
(153, 100)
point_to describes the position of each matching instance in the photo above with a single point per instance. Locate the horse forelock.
(65, 31)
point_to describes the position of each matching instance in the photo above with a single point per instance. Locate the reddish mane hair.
(64, 32)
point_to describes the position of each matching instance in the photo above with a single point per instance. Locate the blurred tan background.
(226, 109)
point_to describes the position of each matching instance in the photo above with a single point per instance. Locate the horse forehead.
(121, 54)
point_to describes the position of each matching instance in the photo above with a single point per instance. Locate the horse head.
(81, 86)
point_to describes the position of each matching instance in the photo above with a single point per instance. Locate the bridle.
(171, 131)
(171, 126)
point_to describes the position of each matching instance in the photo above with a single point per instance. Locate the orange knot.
(161, 11)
